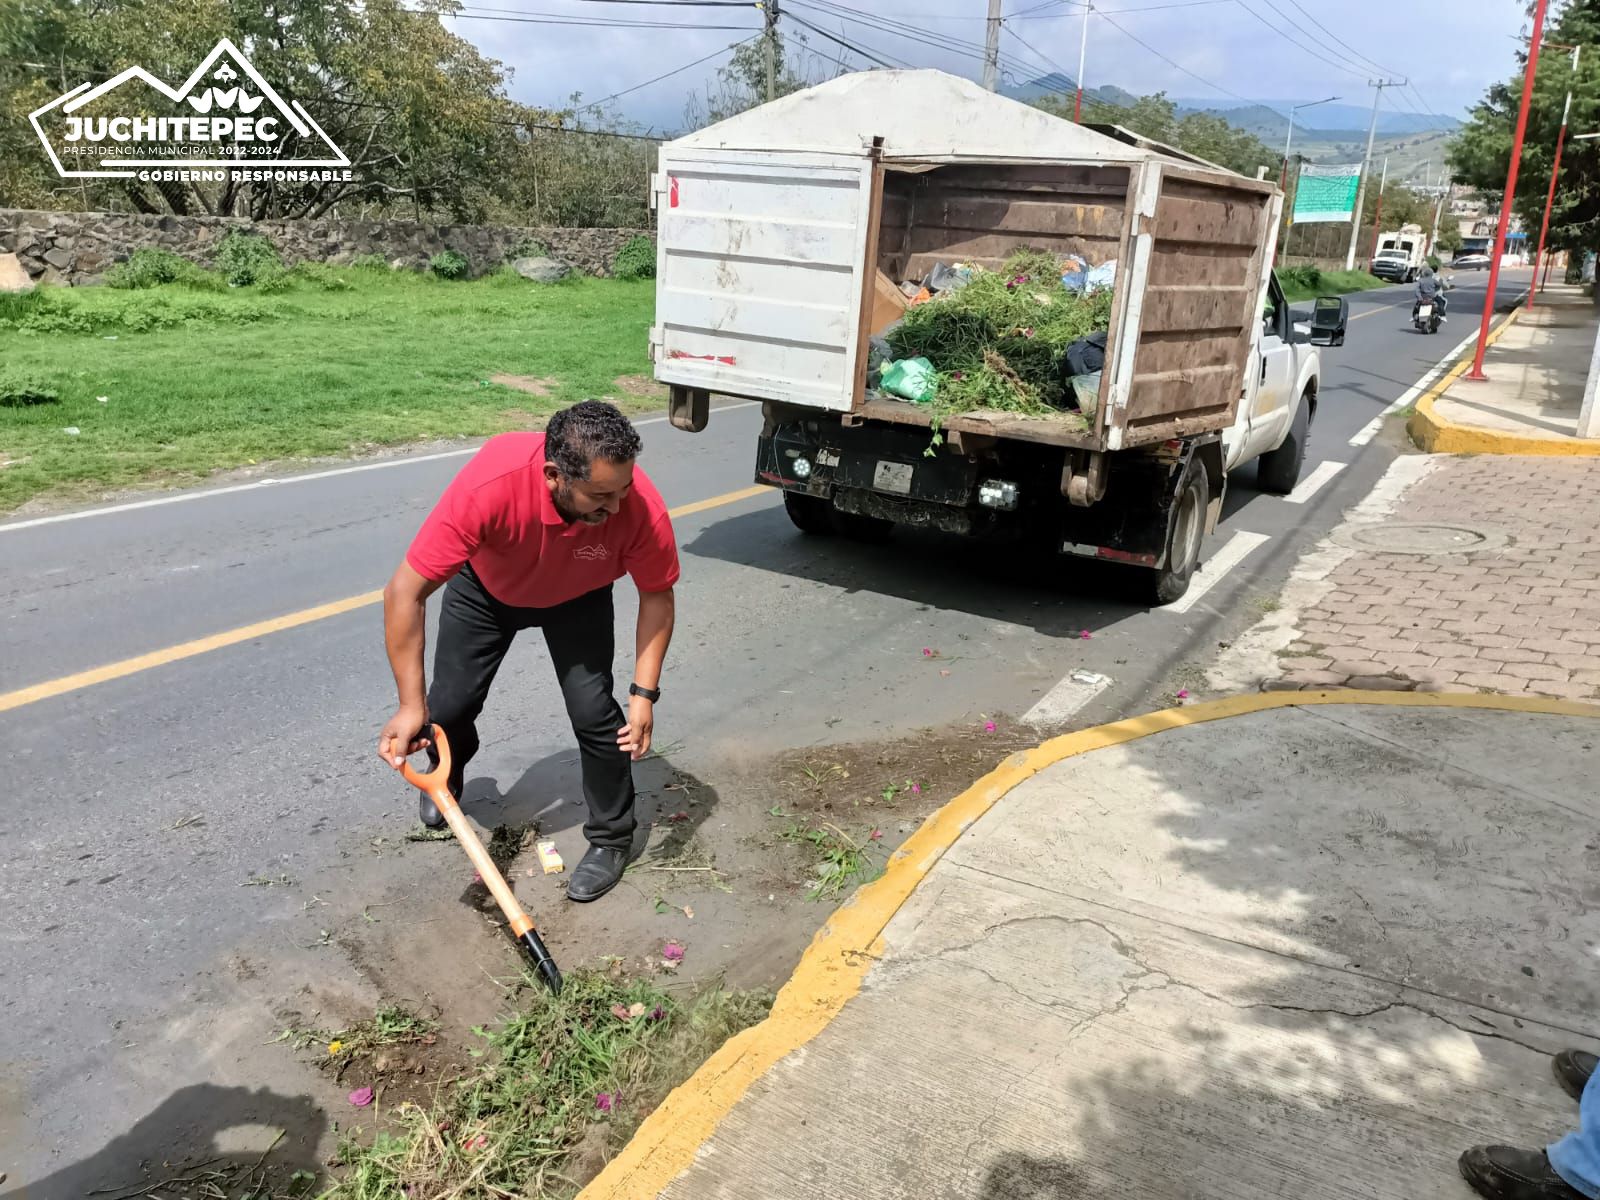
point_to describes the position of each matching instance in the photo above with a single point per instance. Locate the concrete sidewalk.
(1537, 365)
(1292, 944)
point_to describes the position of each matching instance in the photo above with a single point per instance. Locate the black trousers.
(476, 630)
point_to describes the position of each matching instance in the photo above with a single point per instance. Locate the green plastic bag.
(912, 379)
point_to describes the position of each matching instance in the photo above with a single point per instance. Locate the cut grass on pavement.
(562, 1085)
(335, 362)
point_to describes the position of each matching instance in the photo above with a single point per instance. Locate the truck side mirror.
(1328, 321)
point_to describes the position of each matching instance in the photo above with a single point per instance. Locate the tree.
(741, 84)
(1202, 134)
(1449, 237)
(1481, 152)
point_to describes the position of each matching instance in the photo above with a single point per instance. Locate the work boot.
(1573, 1068)
(428, 812)
(1505, 1173)
(599, 871)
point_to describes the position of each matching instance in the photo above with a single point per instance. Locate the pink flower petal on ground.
(988, 726)
(477, 1141)
(619, 1011)
(672, 952)
(1085, 635)
(361, 1097)
(916, 789)
(603, 1102)
(876, 834)
(927, 652)
(477, 878)
(657, 1013)
(1183, 694)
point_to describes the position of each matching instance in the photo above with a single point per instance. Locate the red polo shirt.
(498, 514)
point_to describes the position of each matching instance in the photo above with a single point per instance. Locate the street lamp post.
(1555, 174)
(1510, 196)
(1283, 177)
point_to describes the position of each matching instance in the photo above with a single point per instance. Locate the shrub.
(1307, 277)
(1433, 261)
(18, 390)
(636, 259)
(529, 248)
(246, 259)
(447, 264)
(152, 266)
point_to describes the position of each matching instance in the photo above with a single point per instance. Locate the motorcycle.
(1425, 316)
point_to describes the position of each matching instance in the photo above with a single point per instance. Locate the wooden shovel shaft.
(436, 784)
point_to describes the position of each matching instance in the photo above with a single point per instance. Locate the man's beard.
(563, 501)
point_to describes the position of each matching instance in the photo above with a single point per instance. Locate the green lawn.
(1307, 283)
(198, 379)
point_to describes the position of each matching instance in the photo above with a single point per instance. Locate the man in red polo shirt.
(532, 533)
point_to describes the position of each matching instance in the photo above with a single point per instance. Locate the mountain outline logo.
(592, 553)
(248, 116)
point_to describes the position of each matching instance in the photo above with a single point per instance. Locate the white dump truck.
(778, 227)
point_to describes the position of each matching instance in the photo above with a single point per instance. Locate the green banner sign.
(1326, 193)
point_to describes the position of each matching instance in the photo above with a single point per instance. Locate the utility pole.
(769, 12)
(1438, 213)
(1510, 196)
(1555, 173)
(991, 48)
(1377, 212)
(1283, 176)
(1366, 164)
(1083, 58)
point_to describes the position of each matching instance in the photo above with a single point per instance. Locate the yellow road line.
(836, 963)
(232, 637)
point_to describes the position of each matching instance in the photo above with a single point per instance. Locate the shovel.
(435, 785)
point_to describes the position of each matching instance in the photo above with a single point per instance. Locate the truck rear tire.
(1277, 471)
(1185, 531)
(809, 514)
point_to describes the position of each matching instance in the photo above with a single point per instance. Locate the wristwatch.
(650, 694)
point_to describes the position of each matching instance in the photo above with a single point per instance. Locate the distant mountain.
(1272, 118)
(1057, 84)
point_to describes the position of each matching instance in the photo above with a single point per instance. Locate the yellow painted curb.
(1437, 435)
(833, 967)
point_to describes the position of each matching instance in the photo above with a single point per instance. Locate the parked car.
(1470, 262)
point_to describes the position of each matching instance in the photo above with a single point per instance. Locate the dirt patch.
(640, 386)
(535, 386)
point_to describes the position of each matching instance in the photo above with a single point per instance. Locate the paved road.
(120, 923)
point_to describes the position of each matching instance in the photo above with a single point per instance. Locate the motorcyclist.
(1430, 288)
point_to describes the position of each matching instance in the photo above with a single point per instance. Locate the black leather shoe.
(597, 873)
(1505, 1173)
(1573, 1068)
(428, 812)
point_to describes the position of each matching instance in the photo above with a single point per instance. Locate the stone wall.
(78, 248)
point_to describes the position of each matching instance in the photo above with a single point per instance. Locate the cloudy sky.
(1227, 51)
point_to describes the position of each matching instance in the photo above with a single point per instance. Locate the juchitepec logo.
(225, 121)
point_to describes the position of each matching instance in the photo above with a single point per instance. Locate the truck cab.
(1280, 398)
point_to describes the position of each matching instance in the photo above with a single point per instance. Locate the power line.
(854, 49)
(1036, 15)
(1336, 64)
(1216, 87)
(667, 75)
(512, 17)
(937, 41)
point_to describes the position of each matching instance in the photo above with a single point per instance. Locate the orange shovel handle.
(436, 784)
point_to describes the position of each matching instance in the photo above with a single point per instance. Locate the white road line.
(1224, 560)
(258, 484)
(1057, 706)
(1312, 483)
(1370, 429)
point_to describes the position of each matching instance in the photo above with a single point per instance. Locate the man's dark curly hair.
(590, 429)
